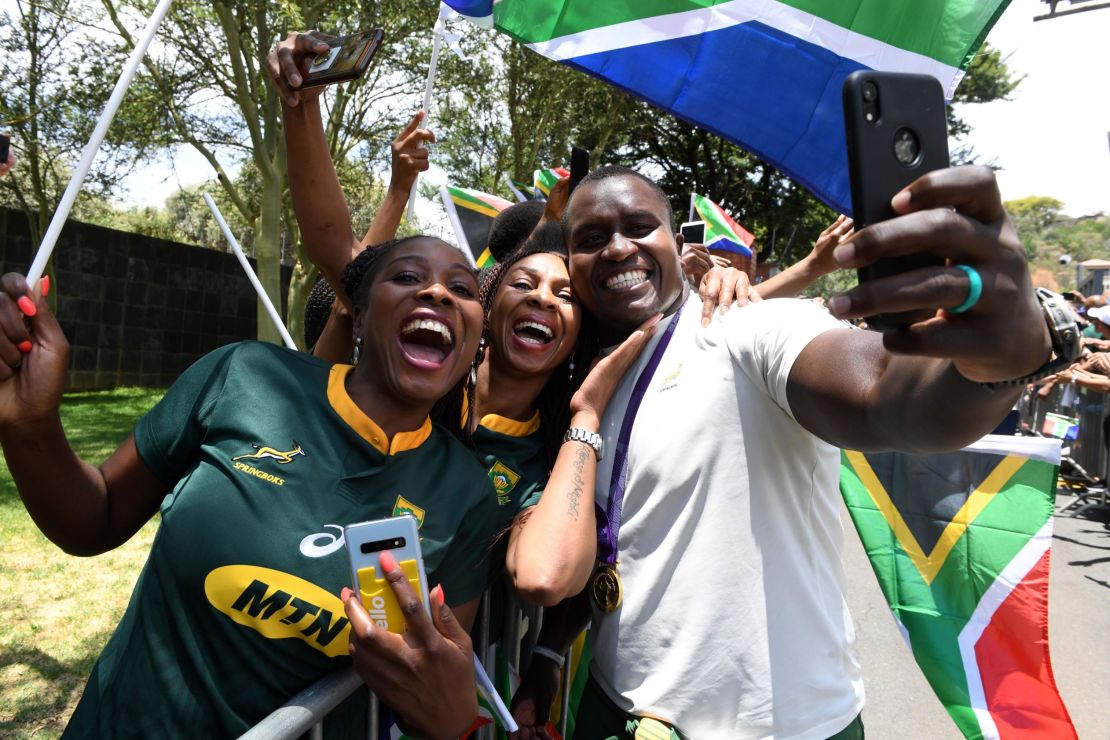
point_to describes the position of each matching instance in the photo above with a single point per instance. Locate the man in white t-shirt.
(726, 539)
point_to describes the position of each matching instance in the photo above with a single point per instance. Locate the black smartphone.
(579, 166)
(896, 132)
(348, 57)
(5, 143)
(693, 232)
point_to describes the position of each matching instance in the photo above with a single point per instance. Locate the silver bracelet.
(549, 654)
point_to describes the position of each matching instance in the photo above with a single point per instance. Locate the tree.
(214, 96)
(58, 71)
(988, 79)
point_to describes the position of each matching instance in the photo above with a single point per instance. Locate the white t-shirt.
(733, 623)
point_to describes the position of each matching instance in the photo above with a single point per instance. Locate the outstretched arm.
(83, 509)
(920, 389)
(553, 545)
(409, 159)
(815, 265)
(318, 200)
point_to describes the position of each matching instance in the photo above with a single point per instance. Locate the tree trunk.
(267, 254)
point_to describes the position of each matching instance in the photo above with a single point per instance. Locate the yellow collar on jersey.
(367, 428)
(503, 424)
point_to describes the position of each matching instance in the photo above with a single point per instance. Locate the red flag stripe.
(1015, 666)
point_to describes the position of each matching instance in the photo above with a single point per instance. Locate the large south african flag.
(960, 545)
(471, 213)
(765, 74)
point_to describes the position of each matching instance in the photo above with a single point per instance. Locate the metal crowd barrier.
(307, 711)
(1088, 449)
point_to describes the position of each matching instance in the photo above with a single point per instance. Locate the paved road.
(900, 703)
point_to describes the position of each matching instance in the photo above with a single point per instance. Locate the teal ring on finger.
(975, 291)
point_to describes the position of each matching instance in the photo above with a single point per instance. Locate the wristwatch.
(1063, 329)
(585, 436)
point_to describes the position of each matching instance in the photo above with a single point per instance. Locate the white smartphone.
(365, 542)
(693, 232)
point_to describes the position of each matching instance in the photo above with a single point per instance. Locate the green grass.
(60, 610)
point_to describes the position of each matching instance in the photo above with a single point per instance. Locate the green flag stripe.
(908, 25)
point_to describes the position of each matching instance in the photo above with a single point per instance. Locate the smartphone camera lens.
(907, 147)
(870, 91)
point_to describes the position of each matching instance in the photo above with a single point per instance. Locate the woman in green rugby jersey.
(253, 453)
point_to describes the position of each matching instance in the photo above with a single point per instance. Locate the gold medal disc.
(605, 588)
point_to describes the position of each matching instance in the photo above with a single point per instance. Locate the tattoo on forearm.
(575, 493)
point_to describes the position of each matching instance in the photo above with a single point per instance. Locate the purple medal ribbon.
(607, 531)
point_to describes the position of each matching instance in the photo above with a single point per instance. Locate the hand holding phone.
(347, 58)
(426, 675)
(896, 132)
(365, 544)
(303, 62)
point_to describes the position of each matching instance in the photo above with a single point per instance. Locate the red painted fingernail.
(44, 284)
(24, 346)
(439, 595)
(389, 563)
(27, 306)
(345, 594)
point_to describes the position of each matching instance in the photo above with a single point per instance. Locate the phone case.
(347, 60)
(905, 102)
(364, 543)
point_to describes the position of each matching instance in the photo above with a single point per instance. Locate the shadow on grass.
(34, 713)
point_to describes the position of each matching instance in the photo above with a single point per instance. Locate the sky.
(1051, 138)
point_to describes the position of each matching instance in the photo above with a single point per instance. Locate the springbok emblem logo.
(264, 452)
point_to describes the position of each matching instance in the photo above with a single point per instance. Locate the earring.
(474, 374)
(357, 351)
(570, 375)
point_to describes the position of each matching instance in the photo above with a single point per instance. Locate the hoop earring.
(357, 353)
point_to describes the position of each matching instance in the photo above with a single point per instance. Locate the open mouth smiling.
(626, 279)
(426, 342)
(533, 332)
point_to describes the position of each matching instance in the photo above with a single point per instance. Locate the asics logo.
(322, 544)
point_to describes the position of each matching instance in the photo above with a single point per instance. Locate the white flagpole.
(693, 196)
(490, 692)
(250, 273)
(61, 213)
(456, 224)
(437, 42)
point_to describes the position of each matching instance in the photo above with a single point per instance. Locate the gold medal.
(605, 587)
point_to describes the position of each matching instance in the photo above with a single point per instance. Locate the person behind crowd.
(255, 457)
(512, 227)
(1096, 336)
(734, 513)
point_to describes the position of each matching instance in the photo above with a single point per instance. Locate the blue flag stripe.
(793, 83)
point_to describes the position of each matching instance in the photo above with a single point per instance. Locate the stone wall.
(137, 310)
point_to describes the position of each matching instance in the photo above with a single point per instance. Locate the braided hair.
(553, 402)
(357, 278)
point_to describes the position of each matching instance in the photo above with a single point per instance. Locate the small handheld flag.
(545, 179)
(721, 232)
(471, 213)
